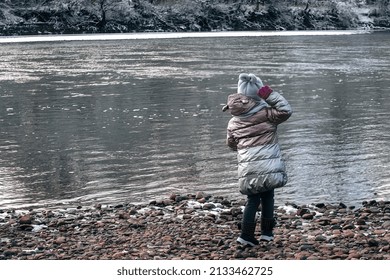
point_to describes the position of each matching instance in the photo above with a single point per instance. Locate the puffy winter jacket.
(252, 132)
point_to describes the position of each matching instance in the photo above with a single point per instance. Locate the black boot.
(247, 236)
(267, 226)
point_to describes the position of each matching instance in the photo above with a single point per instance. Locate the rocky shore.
(194, 226)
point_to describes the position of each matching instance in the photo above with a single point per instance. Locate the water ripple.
(107, 121)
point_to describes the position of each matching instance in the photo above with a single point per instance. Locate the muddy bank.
(194, 227)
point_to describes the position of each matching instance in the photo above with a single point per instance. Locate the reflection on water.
(136, 119)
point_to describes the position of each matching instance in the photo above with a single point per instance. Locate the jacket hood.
(241, 105)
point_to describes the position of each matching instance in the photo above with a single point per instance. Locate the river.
(129, 118)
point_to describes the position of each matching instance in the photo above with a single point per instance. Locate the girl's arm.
(280, 109)
(231, 141)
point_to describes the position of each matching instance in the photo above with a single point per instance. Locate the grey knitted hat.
(249, 85)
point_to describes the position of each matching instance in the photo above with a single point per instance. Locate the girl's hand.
(264, 92)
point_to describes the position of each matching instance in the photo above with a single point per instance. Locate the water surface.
(115, 119)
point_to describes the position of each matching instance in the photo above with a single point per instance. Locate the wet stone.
(348, 227)
(360, 222)
(386, 225)
(342, 205)
(199, 195)
(373, 243)
(320, 238)
(26, 219)
(303, 211)
(26, 227)
(308, 216)
(320, 205)
(208, 206)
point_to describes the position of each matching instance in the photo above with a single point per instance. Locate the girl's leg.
(267, 204)
(248, 225)
(267, 215)
(251, 208)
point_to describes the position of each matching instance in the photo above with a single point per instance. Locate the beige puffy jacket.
(252, 132)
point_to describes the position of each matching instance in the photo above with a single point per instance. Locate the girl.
(257, 110)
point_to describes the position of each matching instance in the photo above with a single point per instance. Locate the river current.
(130, 118)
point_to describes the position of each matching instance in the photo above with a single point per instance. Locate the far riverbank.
(57, 17)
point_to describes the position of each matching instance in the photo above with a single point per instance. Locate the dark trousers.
(252, 205)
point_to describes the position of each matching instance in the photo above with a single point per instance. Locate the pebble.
(192, 227)
(25, 219)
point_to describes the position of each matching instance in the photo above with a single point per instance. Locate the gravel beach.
(194, 226)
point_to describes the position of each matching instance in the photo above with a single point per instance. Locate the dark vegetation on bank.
(30, 17)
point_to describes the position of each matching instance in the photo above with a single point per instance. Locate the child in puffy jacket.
(252, 132)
